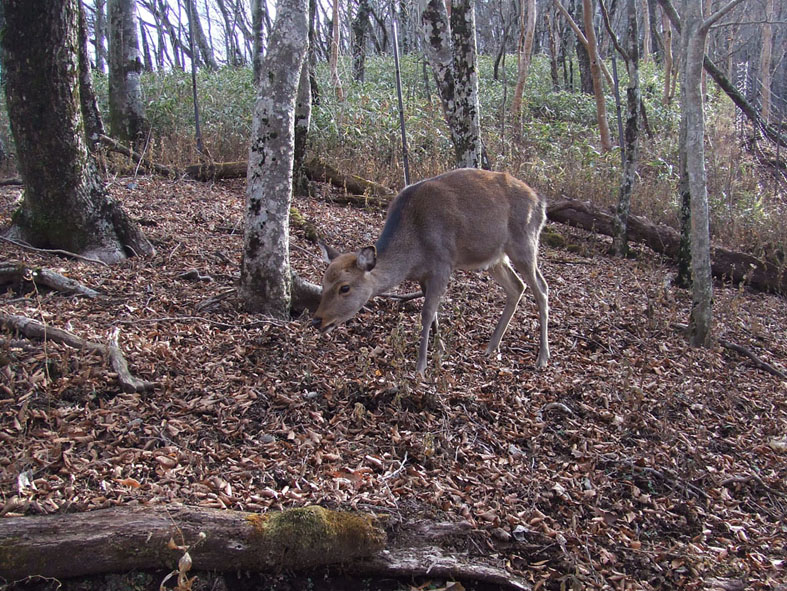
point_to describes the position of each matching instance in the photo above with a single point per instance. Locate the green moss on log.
(314, 536)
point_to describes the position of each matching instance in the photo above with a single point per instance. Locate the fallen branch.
(35, 330)
(116, 146)
(15, 272)
(352, 184)
(759, 363)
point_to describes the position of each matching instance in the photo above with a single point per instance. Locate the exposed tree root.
(35, 330)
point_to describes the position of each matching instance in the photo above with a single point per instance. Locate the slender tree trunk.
(553, 52)
(146, 56)
(265, 284)
(126, 111)
(101, 35)
(646, 37)
(667, 95)
(65, 203)
(205, 50)
(334, 62)
(303, 114)
(631, 133)
(257, 9)
(527, 34)
(360, 29)
(765, 61)
(94, 126)
(595, 71)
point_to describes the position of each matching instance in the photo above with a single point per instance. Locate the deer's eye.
(344, 289)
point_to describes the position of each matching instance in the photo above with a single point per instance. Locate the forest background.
(600, 445)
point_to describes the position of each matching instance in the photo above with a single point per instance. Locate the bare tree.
(100, 31)
(694, 32)
(265, 284)
(631, 134)
(765, 60)
(588, 40)
(451, 51)
(126, 111)
(65, 203)
(334, 61)
(527, 33)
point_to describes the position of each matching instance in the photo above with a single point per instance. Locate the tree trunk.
(334, 61)
(360, 29)
(646, 36)
(257, 9)
(126, 112)
(631, 133)
(595, 72)
(94, 126)
(100, 30)
(303, 115)
(65, 204)
(205, 50)
(451, 52)
(147, 58)
(265, 269)
(667, 94)
(527, 34)
(468, 110)
(553, 52)
(765, 62)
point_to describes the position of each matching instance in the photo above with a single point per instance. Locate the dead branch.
(67, 253)
(16, 272)
(759, 363)
(35, 330)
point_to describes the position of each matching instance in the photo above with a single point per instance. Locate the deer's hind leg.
(507, 278)
(526, 263)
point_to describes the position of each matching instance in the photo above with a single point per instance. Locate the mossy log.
(135, 538)
(725, 263)
(215, 171)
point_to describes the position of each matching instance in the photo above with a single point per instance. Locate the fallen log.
(120, 539)
(360, 191)
(35, 330)
(725, 263)
(116, 146)
(215, 171)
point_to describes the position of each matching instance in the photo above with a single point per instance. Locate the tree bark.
(631, 134)
(527, 34)
(65, 204)
(334, 61)
(360, 29)
(126, 111)
(765, 61)
(100, 30)
(205, 50)
(450, 47)
(265, 284)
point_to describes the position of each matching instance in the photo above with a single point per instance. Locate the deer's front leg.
(433, 290)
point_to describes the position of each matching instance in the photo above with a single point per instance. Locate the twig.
(118, 147)
(403, 297)
(759, 363)
(53, 251)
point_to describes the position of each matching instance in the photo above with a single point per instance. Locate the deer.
(467, 219)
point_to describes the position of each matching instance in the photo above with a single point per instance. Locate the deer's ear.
(367, 258)
(328, 252)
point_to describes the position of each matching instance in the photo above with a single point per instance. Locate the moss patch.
(314, 536)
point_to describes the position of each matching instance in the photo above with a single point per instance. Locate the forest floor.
(632, 461)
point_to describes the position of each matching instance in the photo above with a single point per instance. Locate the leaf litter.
(631, 461)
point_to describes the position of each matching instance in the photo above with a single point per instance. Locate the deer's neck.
(391, 269)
